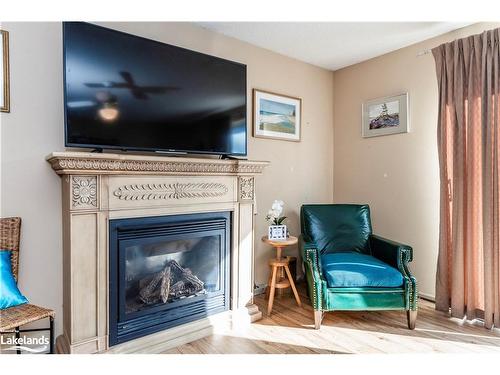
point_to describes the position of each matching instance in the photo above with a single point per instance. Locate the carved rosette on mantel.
(97, 188)
(84, 191)
(246, 188)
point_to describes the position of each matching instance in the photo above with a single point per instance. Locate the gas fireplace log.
(147, 293)
(155, 287)
(173, 281)
(165, 284)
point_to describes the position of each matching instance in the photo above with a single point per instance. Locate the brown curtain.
(468, 142)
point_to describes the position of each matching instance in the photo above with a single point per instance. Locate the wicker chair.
(14, 317)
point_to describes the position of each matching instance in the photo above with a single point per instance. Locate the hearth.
(166, 271)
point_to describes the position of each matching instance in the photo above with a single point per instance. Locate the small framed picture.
(4, 72)
(276, 116)
(385, 116)
(277, 232)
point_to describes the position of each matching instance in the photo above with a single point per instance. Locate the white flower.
(277, 208)
(274, 214)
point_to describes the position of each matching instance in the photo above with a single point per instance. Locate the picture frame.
(385, 116)
(4, 72)
(276, 116)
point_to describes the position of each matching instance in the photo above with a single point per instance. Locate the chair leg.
(318, 317)
(51, 335)
(18, 336)
(411, 315)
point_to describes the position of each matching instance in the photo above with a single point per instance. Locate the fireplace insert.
(165, 271)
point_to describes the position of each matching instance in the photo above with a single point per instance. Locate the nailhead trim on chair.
(313, 263)
(404, 257)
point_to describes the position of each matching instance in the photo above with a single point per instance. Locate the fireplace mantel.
(104, 164)
(97, 188)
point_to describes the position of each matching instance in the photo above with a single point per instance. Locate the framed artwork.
(4, 72)
(276, 116)
(385, 116)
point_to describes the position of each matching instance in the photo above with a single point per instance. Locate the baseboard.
(427, 297)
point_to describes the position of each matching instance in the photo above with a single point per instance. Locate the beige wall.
(397, 175)
(299, 172)
(33, 128)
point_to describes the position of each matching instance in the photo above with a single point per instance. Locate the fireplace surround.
(101, 190)
(165, 271)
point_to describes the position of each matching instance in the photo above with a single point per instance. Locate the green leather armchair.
(347, 267)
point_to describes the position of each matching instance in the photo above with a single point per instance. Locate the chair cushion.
(355, 270)
(9, 293)
(337, 227)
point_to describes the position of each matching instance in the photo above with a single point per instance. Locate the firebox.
(165, 271)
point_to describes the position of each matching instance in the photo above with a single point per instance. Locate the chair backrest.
(10, 235)
(337, 227)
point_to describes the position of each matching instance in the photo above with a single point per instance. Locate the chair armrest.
(310, 254)
(312, 265)
(398, 256)
(395, 254)
(305, 243)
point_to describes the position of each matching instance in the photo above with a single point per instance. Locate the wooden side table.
(279, 266)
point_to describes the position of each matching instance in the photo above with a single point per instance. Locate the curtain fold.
(468, 270)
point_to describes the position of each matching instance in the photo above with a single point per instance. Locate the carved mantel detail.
(246, 188)
(78, 162)
(84, 192)
(176, 190)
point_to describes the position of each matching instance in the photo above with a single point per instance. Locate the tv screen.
(131, 93)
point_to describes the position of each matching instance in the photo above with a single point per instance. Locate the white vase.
(277, 232)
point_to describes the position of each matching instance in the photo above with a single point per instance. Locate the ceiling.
(332, 45)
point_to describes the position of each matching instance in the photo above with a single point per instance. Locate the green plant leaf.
(281, 220)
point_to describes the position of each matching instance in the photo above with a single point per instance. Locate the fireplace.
(166, 271)
(108, 199)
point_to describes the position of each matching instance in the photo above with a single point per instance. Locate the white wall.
(299, 172)
(31, 130)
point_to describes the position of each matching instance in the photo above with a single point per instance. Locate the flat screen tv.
(131, 93)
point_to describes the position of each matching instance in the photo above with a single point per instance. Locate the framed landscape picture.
(385, 116)
(276, 116)
(4, 72)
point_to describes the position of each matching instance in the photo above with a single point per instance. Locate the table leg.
(273, 289)
(292, 284)
(278, 252)
(268, 289)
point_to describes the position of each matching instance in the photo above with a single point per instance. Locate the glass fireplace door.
(166, 270)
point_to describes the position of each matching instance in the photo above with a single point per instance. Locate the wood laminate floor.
(290, 330)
